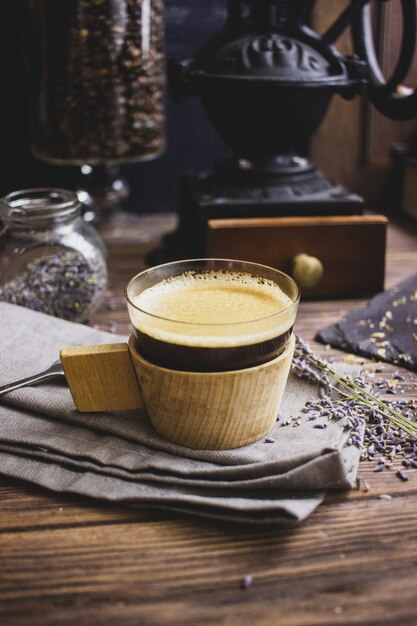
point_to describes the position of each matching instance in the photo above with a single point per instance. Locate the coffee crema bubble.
(212, 321)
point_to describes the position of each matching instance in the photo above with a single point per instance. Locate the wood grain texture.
(351, 266)
(213, 410)
(101, 377)
(66, 559)
(355, 555)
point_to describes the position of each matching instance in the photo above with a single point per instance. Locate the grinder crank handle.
(101, 377)
(388, 96)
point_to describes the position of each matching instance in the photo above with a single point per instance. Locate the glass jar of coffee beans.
(96, 77)
(51, 260)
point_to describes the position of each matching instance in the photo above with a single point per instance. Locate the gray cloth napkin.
(118, 456)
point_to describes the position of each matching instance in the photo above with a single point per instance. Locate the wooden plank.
(351, 266)
(189, 572)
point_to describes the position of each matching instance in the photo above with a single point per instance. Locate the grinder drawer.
(351, 249)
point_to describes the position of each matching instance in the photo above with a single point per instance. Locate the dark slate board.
(385, 329)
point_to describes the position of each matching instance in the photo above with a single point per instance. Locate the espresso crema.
(212, 321)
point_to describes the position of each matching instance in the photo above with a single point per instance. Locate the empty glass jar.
(51, 260)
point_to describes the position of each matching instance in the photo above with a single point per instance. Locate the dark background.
(191, 143)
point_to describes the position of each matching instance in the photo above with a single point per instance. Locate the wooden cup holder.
(201, 410)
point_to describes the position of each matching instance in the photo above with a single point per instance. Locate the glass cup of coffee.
(212, 346)
(211, 315)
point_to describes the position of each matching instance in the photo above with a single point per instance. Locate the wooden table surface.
(69, 560)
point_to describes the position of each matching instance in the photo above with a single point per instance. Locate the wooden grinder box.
(351, 248)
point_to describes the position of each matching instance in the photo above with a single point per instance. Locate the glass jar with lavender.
(51, 260)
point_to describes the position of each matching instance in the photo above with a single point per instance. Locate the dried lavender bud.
(402, 475)
(63, 284)
(246, 582)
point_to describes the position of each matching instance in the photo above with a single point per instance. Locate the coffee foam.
(213, 309)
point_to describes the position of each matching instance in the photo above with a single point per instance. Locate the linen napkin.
(384, 329)
(118, 456)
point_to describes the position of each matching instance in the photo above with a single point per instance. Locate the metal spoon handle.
(54, 371)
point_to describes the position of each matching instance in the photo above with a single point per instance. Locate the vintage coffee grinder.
(266, 81)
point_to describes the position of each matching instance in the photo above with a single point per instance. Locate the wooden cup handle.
(101, 377)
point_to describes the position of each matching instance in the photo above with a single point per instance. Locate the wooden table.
(69, 560)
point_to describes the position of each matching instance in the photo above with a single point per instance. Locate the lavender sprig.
(310, 366)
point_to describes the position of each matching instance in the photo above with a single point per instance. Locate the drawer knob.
(307, 270)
